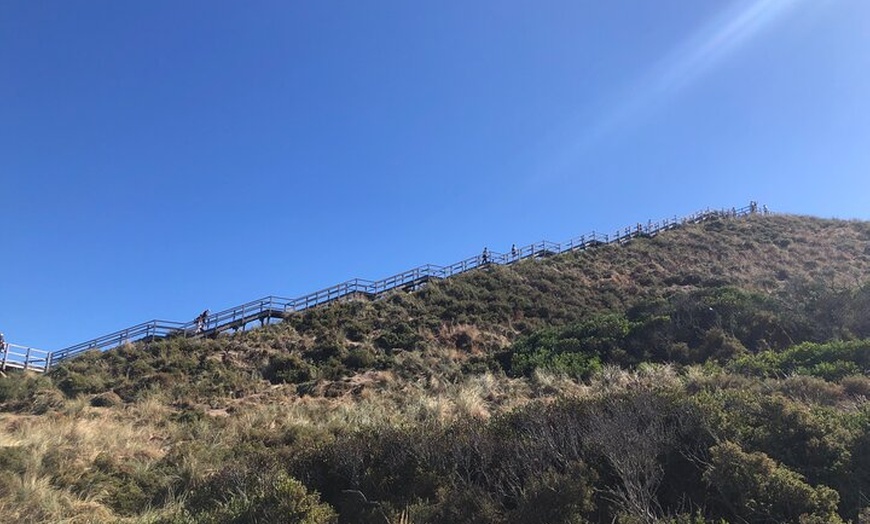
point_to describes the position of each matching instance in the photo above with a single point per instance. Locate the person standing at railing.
(202, 321)
(514, 252)
(485, 256)
(2, 343)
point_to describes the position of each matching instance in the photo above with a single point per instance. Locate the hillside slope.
(732, 347)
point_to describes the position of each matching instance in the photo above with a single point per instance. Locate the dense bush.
(241, 494)
(830, 361)
(564, 462)
(577, 350)
(37, 393)
(716, 324)
(287, 368)
(127, 488)
(751, 487)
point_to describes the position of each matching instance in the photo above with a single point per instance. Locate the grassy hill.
(717, 372)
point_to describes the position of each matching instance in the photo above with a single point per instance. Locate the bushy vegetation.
(715, 373)
(831, 361)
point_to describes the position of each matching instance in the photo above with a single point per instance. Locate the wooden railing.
(270, 307)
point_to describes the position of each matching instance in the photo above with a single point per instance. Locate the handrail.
(146, 330)
(273, 306)
(23, 357)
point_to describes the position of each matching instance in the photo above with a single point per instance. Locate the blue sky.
(158, 158)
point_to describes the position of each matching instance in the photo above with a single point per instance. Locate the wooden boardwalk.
(263, 310)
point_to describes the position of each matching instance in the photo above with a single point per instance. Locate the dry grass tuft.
(613, 379)
(61, 448)
(29, 499)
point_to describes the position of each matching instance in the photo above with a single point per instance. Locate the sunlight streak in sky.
(728, 32)
(716, 41)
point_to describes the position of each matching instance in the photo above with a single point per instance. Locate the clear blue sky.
(161, 157)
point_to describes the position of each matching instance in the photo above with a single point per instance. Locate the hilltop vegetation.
(717, 372)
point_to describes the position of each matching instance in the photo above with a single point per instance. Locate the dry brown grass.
(31, 499)
(62, 446)
(760, 252)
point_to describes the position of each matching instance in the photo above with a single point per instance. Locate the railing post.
(27, 358)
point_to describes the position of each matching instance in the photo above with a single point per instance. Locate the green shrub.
(811, 389)
(329, 348)
(239, 495)
(401, 336)
(359, 359)
(830, 361)
(128, 487)
(34, 393)
(287, 368)
(20, 386)
(81, 375)
(856, 385)
(754, 488)
(556, 496)
(576, 350)
(812, 440)
(720, 346)
(107, 399)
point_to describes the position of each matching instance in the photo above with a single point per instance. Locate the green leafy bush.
(287, 368)
(830, 361)
(401, 336)
(753, 487)
(577, 350)
(30, 392)
(239, 496)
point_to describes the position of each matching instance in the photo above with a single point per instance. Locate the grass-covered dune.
(714, 373)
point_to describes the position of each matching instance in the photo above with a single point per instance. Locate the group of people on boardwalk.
(485, 257)
(753, 208)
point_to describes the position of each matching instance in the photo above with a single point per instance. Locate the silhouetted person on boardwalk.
(201, 321)
(485, 257)
(514, 253)
(2, 342)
